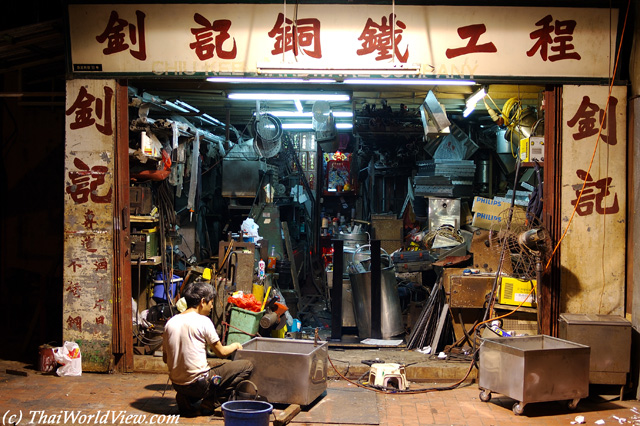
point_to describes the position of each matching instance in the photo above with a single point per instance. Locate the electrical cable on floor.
(398, 391)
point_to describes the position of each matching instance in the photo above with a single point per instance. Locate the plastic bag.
(245, 301)
(69, 358)
(249, 230)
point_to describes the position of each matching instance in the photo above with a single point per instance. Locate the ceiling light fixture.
(269, 80)
(309, 126)
(296, 114)
(263, 96)
(409, 81)
(297, 126)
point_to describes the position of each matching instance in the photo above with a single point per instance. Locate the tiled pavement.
(46, 399)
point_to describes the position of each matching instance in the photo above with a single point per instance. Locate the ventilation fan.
(267, 130)
(322, 121)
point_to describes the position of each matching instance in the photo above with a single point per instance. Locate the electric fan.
(322, 121)
(526, 242)
(267, 130)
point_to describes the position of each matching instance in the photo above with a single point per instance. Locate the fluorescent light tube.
(296, 114)
(474, 98)
(301, 126)
(298, 105)
(289, 96)
(344, 125)
(269, 80)
(297, 68)
(409, 81)
(469, 110)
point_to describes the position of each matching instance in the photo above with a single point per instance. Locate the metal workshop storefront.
(570, 49)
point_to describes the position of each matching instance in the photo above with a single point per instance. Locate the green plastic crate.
(247, 321)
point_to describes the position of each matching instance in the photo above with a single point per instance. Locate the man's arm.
(224, 351)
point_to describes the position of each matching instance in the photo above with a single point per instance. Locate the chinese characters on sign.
(290, 36)
(561, 44)
(595, 192)
(473, 33)
(114, 35)
(204, 45)
(590, 198)
(222, 39)
(585, 118)
(83, 107)
(89, 194)
(383, 38)
(85, 183)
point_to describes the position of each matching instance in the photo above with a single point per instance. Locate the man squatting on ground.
(185, 340)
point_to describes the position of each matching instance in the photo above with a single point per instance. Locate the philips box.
(490, 213)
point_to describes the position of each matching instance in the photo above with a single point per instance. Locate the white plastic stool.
(388, 375)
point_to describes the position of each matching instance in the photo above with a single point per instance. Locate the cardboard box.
(488, 213)
(513, 291)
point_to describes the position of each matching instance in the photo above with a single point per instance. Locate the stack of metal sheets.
(445, 178)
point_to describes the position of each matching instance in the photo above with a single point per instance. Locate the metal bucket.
(353, 240)
(351, 243)
(391, 315)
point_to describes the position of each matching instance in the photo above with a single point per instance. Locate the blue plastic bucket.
(246, 413)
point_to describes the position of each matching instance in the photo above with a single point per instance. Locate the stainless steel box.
(534, 369)
(287, 371)
(609, 337)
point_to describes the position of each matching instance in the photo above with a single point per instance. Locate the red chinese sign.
(301, 35)
(473, 33)
(384, 38)
(85, 183)
(84, 107)
(116, 38)
(207, 45)
(560, 45)
(588, 125)
(594, 196)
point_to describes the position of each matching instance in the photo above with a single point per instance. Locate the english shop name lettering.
(491, 217)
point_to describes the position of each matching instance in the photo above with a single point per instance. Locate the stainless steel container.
(287, 371)
(351, 244)
(609, 337)
(391, 316)
(534, 369)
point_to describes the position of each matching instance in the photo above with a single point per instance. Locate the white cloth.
(185, 341)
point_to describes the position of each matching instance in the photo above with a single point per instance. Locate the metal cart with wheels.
(534, 369)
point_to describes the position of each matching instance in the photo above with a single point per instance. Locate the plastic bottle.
(271, 262)
(261, 269)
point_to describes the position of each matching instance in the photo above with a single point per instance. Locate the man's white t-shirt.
(185, 341)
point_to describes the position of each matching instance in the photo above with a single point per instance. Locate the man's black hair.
(197, 291)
